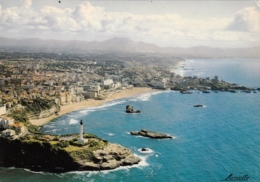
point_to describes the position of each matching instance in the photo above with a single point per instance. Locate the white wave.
(109, 104)
(48, 126)
(173, 137)
(145, 152)
(38, 172)
(141, 164)
(146, 96)
(86, 111)
(104, 106)
(51, 131)
(35, 172)
(73, 121)
(83, 173)
(111, 134)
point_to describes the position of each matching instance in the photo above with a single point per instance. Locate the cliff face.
(63, 154)
(49, 112)
(44, 113)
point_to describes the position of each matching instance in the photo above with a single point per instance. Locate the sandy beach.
(93, 103)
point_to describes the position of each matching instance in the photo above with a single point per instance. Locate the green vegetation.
(31, 108)
(32, 128)
(20, 115)
(37, 105)
(62, 144)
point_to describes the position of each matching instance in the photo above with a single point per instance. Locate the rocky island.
(150, 134)
(130, 109)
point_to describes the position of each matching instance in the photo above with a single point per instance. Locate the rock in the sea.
(130, 109)
(150, 134)
(205, 91)
(198, 105)
(144, 149)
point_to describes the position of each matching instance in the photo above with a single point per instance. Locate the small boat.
(205, 91)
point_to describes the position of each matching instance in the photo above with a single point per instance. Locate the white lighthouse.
(81, 139)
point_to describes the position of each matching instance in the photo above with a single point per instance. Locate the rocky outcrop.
(111, 157)
(198, 105)
(130, 109)
(186, 92)
(150, 134)
(144, 149)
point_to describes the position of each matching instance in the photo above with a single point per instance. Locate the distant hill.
(122, 45)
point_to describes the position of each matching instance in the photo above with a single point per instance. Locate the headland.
(53, 153)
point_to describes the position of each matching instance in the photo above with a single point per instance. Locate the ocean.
(208, 144)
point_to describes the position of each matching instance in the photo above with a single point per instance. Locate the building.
(8, 133)
(18, 127)
(5, 121)
(65, 98)
(81, 140)
(108, 83)
(159, 83)
(2, 109)
(90, 94)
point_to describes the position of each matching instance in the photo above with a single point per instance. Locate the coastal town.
(33, 88)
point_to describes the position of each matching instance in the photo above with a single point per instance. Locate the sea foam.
(73, 121)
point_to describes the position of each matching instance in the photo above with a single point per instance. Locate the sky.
(223, 24)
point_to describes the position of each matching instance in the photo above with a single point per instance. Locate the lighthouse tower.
(81, 139)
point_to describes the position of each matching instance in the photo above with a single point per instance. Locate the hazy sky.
(164, 23)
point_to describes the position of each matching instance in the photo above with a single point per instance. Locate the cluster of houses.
(28, 80)
(8, 128)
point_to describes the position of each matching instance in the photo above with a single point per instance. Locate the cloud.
(93, 22)
(0, 13)
(245, 20)
(27, 3)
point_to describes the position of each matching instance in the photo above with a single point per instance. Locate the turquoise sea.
(208, 144)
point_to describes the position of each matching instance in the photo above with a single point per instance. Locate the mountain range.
(123, 45)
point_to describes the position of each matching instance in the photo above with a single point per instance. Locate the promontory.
(39, 152)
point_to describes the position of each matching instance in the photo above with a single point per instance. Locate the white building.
(159, 82)
(117, 85)
(81, 140)
(8, 132)
(4, 122)
(2, 109)
(137, 81)
(108, 82)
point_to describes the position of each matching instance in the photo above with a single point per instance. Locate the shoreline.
(93, 103)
